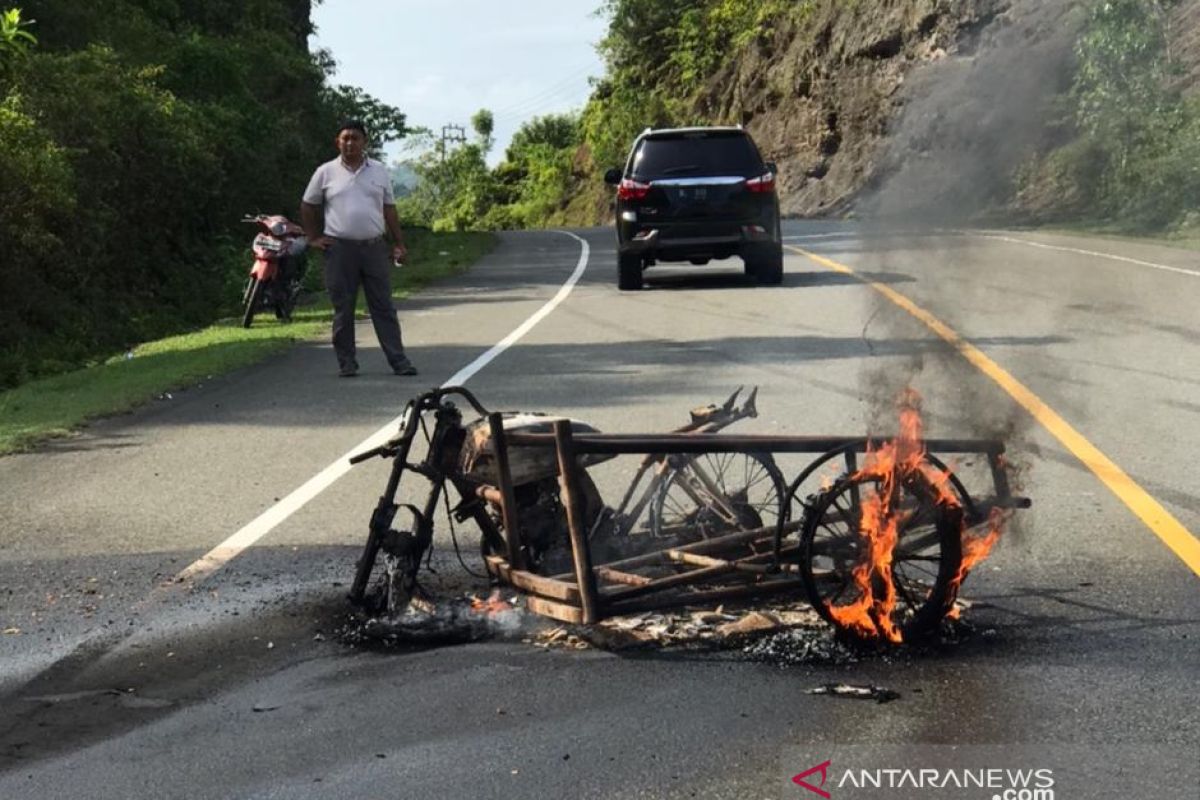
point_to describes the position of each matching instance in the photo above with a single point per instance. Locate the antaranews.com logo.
(823, 780)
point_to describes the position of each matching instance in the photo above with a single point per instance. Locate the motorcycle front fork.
(409, 545)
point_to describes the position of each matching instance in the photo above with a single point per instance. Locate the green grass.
(56, 406)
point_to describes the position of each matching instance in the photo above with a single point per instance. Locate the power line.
(557, 95)
(545, 105)
(568, 78)
(566, 83)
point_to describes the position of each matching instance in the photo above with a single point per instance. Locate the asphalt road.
(118, 683)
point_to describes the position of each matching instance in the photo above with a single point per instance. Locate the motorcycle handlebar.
(425, 402)
(374, 451)
(465, 394)
(431, 399)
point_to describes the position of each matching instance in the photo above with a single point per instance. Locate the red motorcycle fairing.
(264, 269)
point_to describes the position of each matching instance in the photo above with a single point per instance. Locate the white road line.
(1180, 270)
(229, 549)
(801, 237)
(1014, 240)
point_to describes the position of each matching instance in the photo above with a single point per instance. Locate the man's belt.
(359, 242)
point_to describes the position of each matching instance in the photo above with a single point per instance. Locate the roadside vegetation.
(134, 134)
(660, 57)
(54, 406)
(1131, 157)
(1124, 156)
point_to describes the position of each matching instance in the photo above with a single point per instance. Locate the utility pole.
(452, 133)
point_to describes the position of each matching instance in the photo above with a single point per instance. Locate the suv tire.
(765, 265)
(629, 272)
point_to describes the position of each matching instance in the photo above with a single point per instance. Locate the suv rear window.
(696, 154)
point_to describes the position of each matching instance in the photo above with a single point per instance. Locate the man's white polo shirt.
(353, 199)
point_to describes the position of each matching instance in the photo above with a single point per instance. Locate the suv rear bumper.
(653, 242)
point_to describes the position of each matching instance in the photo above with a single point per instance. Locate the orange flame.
(975, 549)
(871, 615)
(495, 604)
(891, 464)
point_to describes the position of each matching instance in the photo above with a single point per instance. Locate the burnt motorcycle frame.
(740, 565)
(437, 470)
(439, 467)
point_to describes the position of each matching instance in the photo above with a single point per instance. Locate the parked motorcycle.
(278, 269)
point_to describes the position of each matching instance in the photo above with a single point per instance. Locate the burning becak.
(880, 552)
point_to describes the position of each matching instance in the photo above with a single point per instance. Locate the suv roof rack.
(693, 129)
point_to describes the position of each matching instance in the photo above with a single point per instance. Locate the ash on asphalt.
(807, 647)
(455, 623)
(457, 619)
(449, 623)
(800, 647)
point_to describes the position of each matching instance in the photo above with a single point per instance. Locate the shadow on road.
(300, 388)
(171, 648)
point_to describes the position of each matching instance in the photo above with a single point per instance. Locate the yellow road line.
(1158, 519)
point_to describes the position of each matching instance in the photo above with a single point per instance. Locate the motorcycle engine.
(543, 521)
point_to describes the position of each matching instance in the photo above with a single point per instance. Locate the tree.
(1142, 134)
(384, 123)
(555, 130)
(484, 123)
(14, 39)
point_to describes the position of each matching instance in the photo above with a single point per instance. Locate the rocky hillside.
(1185, 44)
(857, 93)
(943, 111)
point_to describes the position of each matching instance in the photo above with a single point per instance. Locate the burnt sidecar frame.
(740, 565)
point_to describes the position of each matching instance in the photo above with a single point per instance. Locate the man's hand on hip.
(320, 242)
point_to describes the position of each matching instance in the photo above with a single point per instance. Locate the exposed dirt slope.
(858, 94)
(821, 97)
(1185, 43)
(917, 108)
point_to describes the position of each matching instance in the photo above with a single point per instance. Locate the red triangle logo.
(821, 768)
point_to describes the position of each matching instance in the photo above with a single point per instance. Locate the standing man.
(356, 195)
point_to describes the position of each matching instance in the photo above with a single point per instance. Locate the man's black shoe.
(407, 369)
(348, 371)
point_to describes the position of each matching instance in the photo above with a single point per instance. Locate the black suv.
(694, 194)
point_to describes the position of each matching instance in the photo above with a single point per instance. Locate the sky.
(441, 61)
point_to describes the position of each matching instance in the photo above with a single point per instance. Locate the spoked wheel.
(715, 493)
(915, 543)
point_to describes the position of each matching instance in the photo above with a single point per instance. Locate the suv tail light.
(763, 184)
(629, 189)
